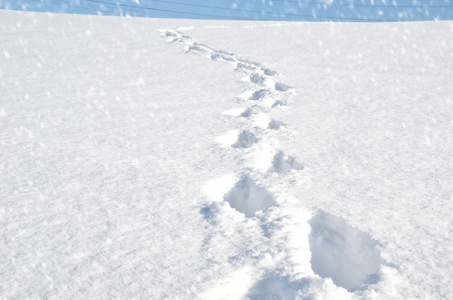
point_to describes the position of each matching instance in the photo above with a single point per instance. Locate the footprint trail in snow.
(301, 252)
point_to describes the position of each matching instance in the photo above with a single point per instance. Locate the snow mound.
(347, 255)
(249, 198)
(228, 139)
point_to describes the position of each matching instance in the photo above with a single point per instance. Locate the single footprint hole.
(247, 113)
(274, 286)
(258, 95)
(177, 40)
(226, 52)
(245, 66)
(278, 103)
(348, 256)
(195, 47)
(257, 79)
(220, 56)
(209, 211)
(245, 140)
(249, 198)
(170, 34)
(283, 163)
(270, 72)
(275, 125)
(216, 56)
(281, 87)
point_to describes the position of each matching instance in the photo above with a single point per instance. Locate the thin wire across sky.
(279, 10)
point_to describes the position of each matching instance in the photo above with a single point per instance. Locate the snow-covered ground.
(181, 159)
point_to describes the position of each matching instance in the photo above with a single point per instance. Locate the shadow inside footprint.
(170, 34)
(258, 95)
(347, 255)
(247, 113)
(245, 66)
(273, 286)
(249, 198)
(281, 87)
(220, 56)
(278, 103)
(209, 211)
(275, 125)
(283, 163)
(270, 72)
(195, 47)
(257, 79)
(245, 140)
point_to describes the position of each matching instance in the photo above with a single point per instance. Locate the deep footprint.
(273, 286)
(347, 255)
(270, 72)
(257, 79)
(245, 66)
(195, 47)
(281, 87)
(283, 163)
(278, 103)
(220, 56)
(246, 139)
(249, 198)
(170, 34)
(275, 125)
(259, 95)
(247, 113)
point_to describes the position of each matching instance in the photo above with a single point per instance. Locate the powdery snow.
(225, 160)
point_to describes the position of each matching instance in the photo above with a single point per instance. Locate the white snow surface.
(184, 159)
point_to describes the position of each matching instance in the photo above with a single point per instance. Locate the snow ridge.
(300, 246)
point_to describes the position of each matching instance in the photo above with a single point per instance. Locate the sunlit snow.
(184, 159)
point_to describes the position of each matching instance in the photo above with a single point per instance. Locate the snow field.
(147, 162)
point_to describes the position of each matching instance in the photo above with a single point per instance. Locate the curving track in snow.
(301, 247)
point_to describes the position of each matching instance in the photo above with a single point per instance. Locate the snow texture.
(184, 159)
